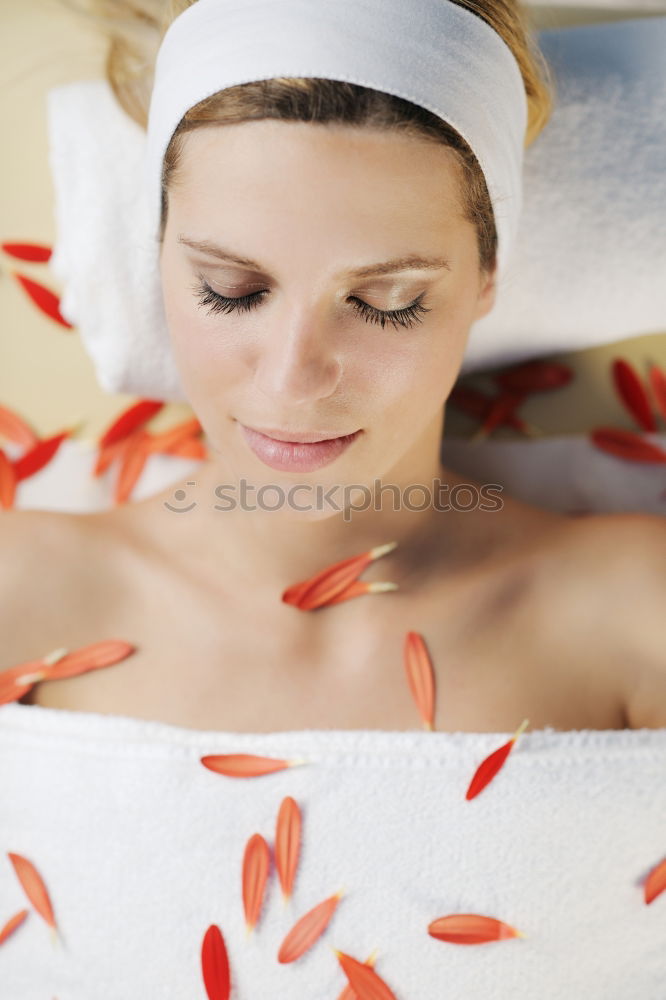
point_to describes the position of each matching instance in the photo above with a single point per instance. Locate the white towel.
(587, 268)
(141, 849)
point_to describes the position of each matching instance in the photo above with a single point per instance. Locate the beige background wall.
(44, 372)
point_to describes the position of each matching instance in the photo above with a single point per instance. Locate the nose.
(297, 359)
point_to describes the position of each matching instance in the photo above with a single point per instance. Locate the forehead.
(312, 167)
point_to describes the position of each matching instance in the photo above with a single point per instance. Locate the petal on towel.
(108, 454)
(502, 407)
(215, 965)
(175, 436)
(629, 388)
(134, 457)
(36, 252)
(14, 427)
(364, 981)
(190, 448)
(308, 929)
(348, 993)
(12, 924)
(98, 654)
(629, 445)
(420, 676)
(655, 883)
(287, 843)
(477, 404)
(8, 481)
(33, 886)
(245, 765)
(328, 583)
(256, 864)
(129, 420)
(471, 928)
(45, 300)
(657, 380)
(489, 767)
(38, 456)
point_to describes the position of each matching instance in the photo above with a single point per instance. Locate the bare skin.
(519, 607)
(501, 625)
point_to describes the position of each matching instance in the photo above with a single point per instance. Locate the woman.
(292, 217)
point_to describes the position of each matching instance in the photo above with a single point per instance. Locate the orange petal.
(215, 965)
(348, 992)
(8, 481)
(190, 448)
(175, 435)
(330, 582)
(421, 677)
(359, 587)
(12, 924)
(470, 928)
(33, 886)
(11, 686)
(92, 657)
(16, 429)
(655, 883)
(489, 767)
(256, 863)
(108, 454)
(134, 457)
(308, 929)
(365, 982)
(245, 765)
(287, 843)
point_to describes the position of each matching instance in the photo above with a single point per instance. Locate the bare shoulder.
(612, 569)
(42, 579)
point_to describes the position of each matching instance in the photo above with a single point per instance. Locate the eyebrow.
(409, 262)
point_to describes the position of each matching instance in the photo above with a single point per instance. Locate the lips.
(295, 437)
(296, 456)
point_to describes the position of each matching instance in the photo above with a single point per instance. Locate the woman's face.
(303, 207)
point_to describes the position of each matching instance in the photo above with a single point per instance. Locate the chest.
(498, 657)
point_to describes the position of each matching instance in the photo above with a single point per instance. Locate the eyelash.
(405, 317)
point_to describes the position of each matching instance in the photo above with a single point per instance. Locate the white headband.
(433, 53)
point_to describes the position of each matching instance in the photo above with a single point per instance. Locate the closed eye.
(406, 317)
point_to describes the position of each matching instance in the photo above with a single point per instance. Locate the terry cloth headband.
(433, 53)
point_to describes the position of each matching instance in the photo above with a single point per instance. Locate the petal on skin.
(420, 676)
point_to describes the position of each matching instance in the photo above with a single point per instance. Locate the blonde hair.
(135, 29)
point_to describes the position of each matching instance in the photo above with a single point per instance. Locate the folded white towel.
(141, 849)
(587, 267)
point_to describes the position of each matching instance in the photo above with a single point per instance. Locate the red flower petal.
(215, 965)
(489, 767)
(45, 300)
(308, 929)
